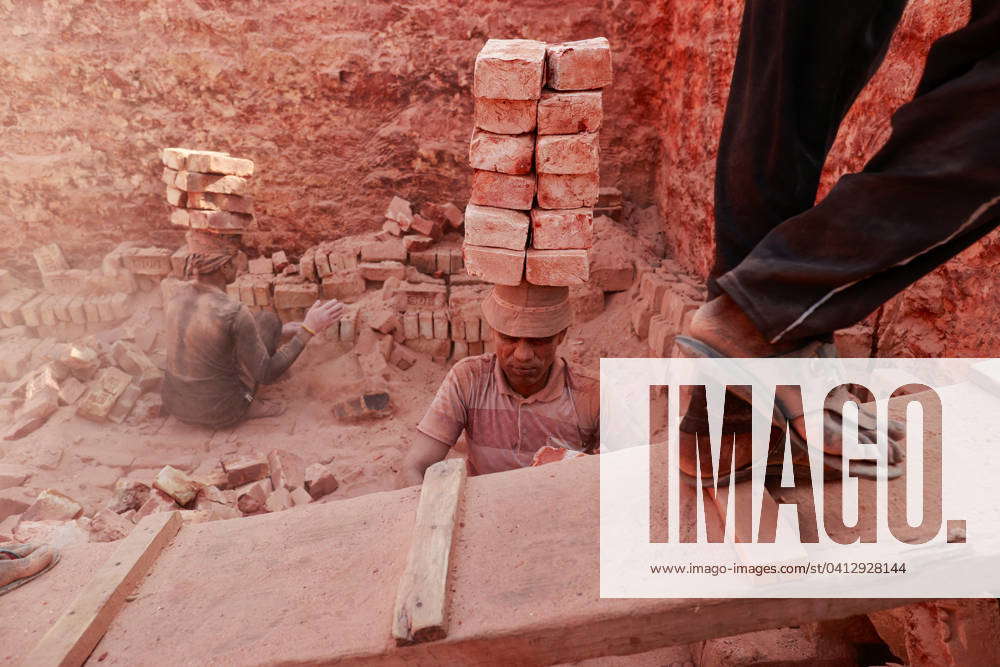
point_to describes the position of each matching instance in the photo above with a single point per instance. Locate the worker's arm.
(424, 452)
(252, 353)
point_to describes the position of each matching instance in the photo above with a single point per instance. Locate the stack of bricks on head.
(535, 151)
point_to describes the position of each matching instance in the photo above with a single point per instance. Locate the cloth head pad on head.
(528, 311)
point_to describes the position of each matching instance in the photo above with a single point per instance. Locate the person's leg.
(930, 192)
(799, 66)
(269, 328)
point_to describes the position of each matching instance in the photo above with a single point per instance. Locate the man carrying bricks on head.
(219, 353)
(513, 402)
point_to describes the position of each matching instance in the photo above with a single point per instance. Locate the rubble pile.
(536, 155)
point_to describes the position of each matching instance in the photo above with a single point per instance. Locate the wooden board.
(420, 613)
(76, 633)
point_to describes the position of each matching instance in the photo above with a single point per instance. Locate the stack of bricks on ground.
(240, 484)
(664, 302)
(536, 155)
(208, 190)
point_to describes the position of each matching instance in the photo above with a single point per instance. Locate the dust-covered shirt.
(504, 429)
(213, 343)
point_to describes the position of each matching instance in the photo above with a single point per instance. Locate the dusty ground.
(83, 459)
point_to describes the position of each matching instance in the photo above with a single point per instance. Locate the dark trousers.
(802, 271)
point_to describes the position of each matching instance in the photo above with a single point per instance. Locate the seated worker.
(514, 402)
(219, 353)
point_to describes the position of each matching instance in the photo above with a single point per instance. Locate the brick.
(427, 226)
(495, 265)
(502, 190)
(392, 227)
(50, 505)
(149, 262)
(190, 181)
(210, 162)
(46, 311)
(587, 301)
(581, 65)
(506, 116)
(70, 391)
(222, 221)
(381, 271)
(300, 497)
(343, 260)
(252, 498)
(616, 275)
(567, 190)
(295, 295)
(174, 158)
(157, 502)
(441, 325)
(442, 260)
(278, 500)
(342, 285)
(570, 113)
(453, 215)
(425, 323)
(129, 494)
(400, 212)
(660, 336)
(179, 218)
(30, 310)
(107, 526)
(640, 314)
(176, 484)
(457, 261)
(244, 468)
(392, 250)
(348, 329)
(261, 266)
(459, 350)
(103, 393)
(10, 306)
(288, 470)
(609, 197)
(82, 361)
(417, 242)
(476, 349)
(506, 153)
(420, 296)
(472, 325)
(510, 69)
(176, 197)
(411, 325)
(319, 481)
(496, 227)
(562, 228)
(50, 258)
(568, 154)
(557, 267)
(280, 260)
(402, 358)
(60, 307)
(307, 265)
(214, 201)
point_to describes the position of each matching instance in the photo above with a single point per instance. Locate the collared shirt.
(504, 429)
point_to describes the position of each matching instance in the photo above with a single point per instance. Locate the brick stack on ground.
(663, 303)
(536, 154)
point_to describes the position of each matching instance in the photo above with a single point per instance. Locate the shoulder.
(471, 371)
(582, 380)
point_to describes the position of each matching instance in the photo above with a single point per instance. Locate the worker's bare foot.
(724, 326)
(263, 408)
(31, 559)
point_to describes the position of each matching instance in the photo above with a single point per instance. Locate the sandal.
(19, 552)
(785, 414)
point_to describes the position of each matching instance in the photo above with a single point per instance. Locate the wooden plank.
(420, 613)
(784, 534)
(76, 633)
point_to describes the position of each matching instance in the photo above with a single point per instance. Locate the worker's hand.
(323, 314)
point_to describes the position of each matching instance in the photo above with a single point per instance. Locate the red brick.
(158, 501)
(381, 271)
(222, 221)
(503, 190)
(107, 526)
(50, 258)
(280, 260)
(242, 469)
(402, 358)
(496, 227)
(494, 265)
(215, 201)
(609, 197)
(417, 242)
(252, 498)
(320, 481)
(570, 113)
(421, 296)
(506, 153)
(560, 229)
(212, 162)
(557, 267)
(300, 497)
(190, 181)
(279, 500)
(453, 215)
(510, 69)
(149, 262)
(342, 285)
(176, 484)
(427, 226)
(411, 325)
(288, 470)
(582, 65)
(378, 251)
(568, 154)
(399, 211)
(295, 295)
(506, 116)
(51, 505)
(567, 190)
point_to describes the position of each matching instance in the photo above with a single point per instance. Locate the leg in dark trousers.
(929, 193)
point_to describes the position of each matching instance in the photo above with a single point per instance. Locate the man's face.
(526, 361)
(229, 271)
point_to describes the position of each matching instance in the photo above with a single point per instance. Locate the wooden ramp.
(318, 584)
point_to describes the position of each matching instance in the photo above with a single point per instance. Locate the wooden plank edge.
(75, 634)
(420, 613)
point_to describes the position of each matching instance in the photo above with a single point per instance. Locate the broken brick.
(287, 469)
(581, 65)
(278, 500)
(176, 484)
(495, 265)
(51, 505)
(510, 69)
(568, 154)
(453, 215)
(399, 211)
(300, 497)
(157, 501)
(567, 190)
(496, 227)
(252, 498)
(262, 266)
(417, 242)
(562, 228)
(320, 481)
(103, 393)
(426, 226)
(569, 112)
(491, 188)
(50, 259)
(107, 526)
(506, 116)
(242, 469)
(506, 153)
(129, 494)
(557, 267)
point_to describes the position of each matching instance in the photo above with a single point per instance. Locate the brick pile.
(535, 151)
(663, 303)
(208, 191)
